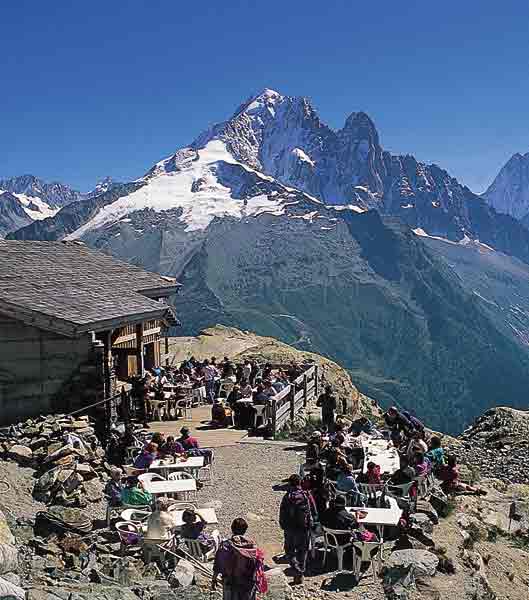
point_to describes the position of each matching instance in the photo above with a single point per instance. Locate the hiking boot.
(298, 580)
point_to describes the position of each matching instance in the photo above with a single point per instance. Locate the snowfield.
(194, 188)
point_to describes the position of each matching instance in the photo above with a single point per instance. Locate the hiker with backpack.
(241, 565)
(297, 514)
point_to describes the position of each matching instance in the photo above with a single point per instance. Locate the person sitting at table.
(313, 450)
(336, 462)
(362, 425)
(268, 388)
(146, 457)
(234, 395)
(134, 494)
(194, 529)
(228, 372)
(421, 465)
(172, 447)
(187, 441)
(219, 414)
(161, 522)
(259, 397)
(451, 484)
(404, 474)
(416, 444)
(280, 383)
(371, 476)
(436, 454)
(339, 518)
(346, 482)
(114, 487)
(316, 483)
(246, 389)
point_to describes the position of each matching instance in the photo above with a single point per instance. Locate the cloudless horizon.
(107, 89)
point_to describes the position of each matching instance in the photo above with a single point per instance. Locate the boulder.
(6, 537)
(85, 471)
(8, 558)
(423, 522)
(10, 590)
(423, 563)
(21, 454)
(402, 569)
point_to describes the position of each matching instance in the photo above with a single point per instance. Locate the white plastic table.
(193, 462)
(382, 453)
(208, 514)
(172, 486)
(380, 517)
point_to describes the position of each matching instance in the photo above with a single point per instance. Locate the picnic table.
(172, 486)
(381, 452)
(190, 464)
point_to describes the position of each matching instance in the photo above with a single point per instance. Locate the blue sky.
(98, 88)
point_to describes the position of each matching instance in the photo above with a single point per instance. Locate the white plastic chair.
(199, 396)
(112, 513)
(260, 411)
(130, 536)
(185, 407)
(374, 492)
(362, 554)
(134, 515)
(331, 541)
(158, 409)
(178, 475)
(226, 387)
(402, 492)
(195, 548)
(206, 473)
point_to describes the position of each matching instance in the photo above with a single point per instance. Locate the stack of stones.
(497, 445)
(66, 454)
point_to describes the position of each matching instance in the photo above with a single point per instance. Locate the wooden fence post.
(292, 398)
(274, 411)
(316, 382)
(305, 389)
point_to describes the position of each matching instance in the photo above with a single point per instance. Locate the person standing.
(210, 373)
(240, 563)
(327, 403)
(296, 518)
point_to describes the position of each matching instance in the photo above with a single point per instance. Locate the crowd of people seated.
(335, 475)
(231, 389)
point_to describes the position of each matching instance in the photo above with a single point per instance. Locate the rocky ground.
(496, 445)
(490, 562)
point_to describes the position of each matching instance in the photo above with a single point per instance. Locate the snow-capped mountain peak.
(266, 100)
(509, 192)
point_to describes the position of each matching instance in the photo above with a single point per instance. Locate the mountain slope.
(268, 221)
(509, 192)
(367, 293)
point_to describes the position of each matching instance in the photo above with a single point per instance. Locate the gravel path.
(243, 480)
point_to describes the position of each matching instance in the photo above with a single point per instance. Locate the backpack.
(299, 516)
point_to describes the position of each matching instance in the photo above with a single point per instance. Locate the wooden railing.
(289, 402)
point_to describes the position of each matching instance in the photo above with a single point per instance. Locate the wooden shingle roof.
(70, 288)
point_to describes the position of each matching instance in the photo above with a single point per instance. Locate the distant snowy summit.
(274, 155)
(509, 192)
